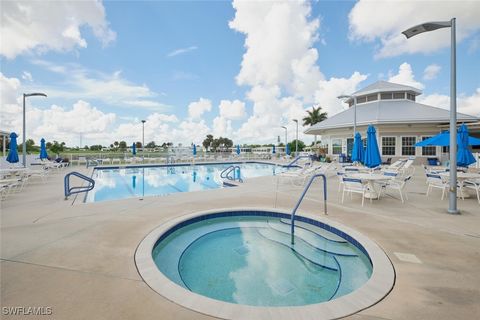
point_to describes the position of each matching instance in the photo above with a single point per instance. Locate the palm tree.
(314, 116)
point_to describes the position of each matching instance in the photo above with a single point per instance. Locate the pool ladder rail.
(292, 219)
(227, 173)
(73, 190)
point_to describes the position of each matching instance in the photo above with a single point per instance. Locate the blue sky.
(173, 63)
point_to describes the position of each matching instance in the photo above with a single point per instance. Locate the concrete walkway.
(78, 259)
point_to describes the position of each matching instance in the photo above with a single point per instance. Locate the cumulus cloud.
(431, 71)
(469, 104)
(384, 21)
(27, 76)
(233, 110)
(198, 108)
(405, 76)
(280, 67)
(39, 26)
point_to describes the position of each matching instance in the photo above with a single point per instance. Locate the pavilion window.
(410, 96)
(408, 146)
(386, 96)
(372, 97)
(399, 95)
(337, 146)
(430, 150)
(362, 99)
(388, 146)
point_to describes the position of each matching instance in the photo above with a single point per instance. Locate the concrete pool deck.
(79, 260)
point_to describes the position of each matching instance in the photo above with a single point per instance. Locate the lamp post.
(286, 138)
(24, 146)
(431, 26)
(296, 139)
(143, 140)
(345, 96)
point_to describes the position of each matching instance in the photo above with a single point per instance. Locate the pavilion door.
(349, 147)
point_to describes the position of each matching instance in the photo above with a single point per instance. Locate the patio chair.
(436, 181)
(352, 185)
(397, 184)
(474, 185)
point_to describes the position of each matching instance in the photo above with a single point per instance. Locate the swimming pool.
(112, 183)
(242, 260)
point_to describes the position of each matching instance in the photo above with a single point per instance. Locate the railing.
(296, 159)
(69, 191)
(227, 171)
(292, 222)
(92, 162)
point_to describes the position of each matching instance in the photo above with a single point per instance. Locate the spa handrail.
(292, 221)
(69, 191)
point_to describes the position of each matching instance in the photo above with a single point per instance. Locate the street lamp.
(24, 146)
(143, 140)
(345, 96)
(286, 136)
(426, 27)
(296, 140)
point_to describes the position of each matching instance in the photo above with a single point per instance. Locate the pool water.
(120, 183)
(249, 260)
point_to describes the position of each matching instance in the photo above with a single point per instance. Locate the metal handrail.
(225, 173)
(69, 191)
(91, 162)
(292, 221)
(296, 159)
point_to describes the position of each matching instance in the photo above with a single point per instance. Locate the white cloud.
(406, 77)
(431, 71)
(233, 110)
(465, 103)
(27, 76)
(40, 26)
(113, 89)
(198, 108)
(385, 20)
(181, 51)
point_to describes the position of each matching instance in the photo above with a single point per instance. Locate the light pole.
(296, 139)
(345, 96)
(24, 146)
(143, 140)
(426, 27)
(286, 137)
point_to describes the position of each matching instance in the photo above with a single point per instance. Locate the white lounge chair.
(473, 185)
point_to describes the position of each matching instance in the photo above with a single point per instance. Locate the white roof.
(384, 86)
(389, 112)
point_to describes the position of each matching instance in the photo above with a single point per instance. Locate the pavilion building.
(400, 122)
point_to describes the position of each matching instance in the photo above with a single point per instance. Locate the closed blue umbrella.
(194, 150)
(134, 182)
(358, 151)
(372, 154)
(13, 153)
(273, 149)
(134, 149)
(43, 149)
(464, 155)
(238, 149)
(287, 149)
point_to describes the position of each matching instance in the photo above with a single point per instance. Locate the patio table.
(370, 179)
(461, 177)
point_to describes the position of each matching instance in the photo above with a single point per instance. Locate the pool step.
(315, 240)
(317, 230)
(307, 252)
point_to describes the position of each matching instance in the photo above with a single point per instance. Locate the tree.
(301, 145)
(138, 144)
(314, 116)
(122, 145)
(96, 147)
(116, 144)
(151, 145)
(57, 147)
(208, 141)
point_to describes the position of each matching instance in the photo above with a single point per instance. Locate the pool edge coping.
(373, 291)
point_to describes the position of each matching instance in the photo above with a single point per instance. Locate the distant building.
(400, 122)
